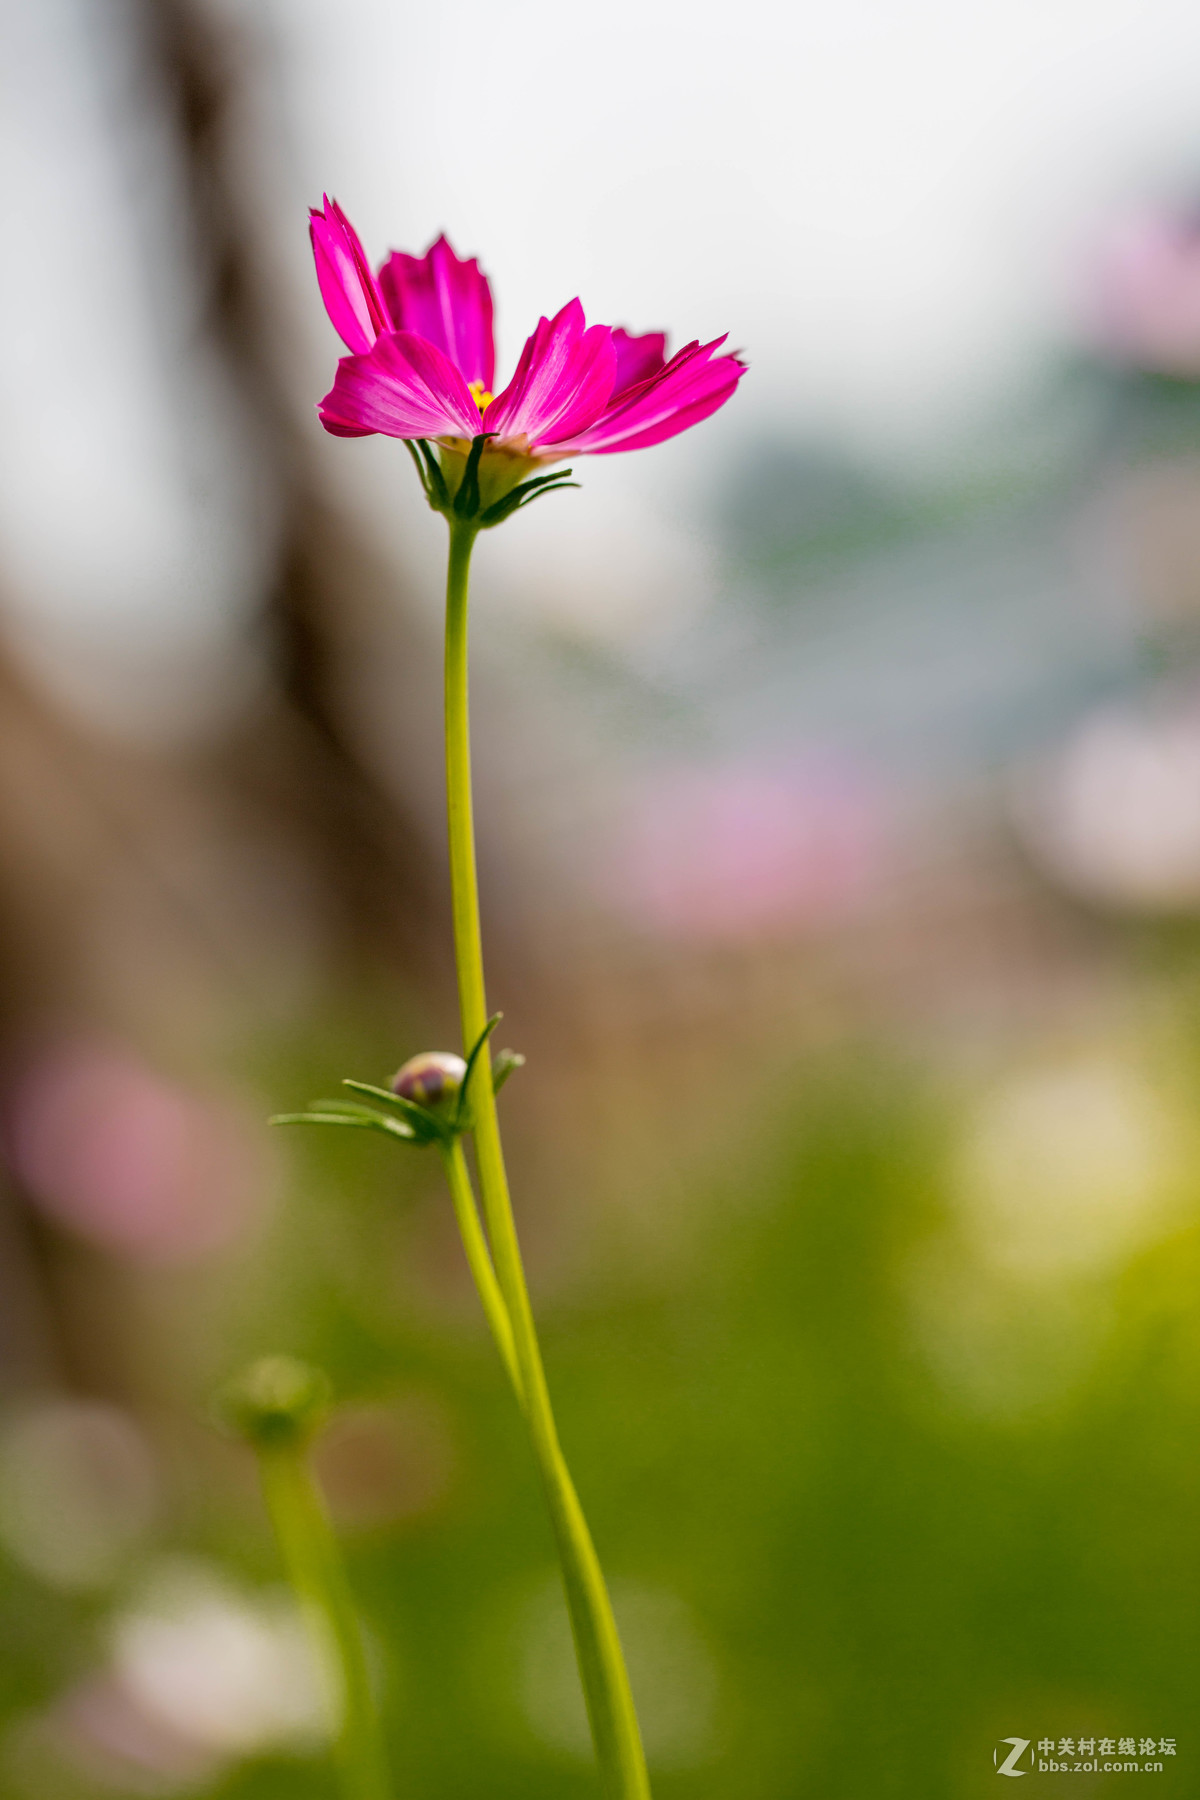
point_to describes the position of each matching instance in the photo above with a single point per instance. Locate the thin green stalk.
(601, 1664)
(475, 1245)
(315, 1569)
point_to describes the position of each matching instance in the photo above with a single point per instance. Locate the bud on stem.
(277, 1402)
(433, 1078)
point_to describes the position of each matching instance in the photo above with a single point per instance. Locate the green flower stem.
(601, 1664)
(317, 1573)
(475, 1245)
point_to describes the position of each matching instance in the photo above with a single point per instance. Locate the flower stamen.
(480, 395)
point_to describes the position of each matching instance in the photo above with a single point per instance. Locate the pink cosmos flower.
(422, 365)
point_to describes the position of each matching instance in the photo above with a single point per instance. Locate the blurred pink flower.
(1115, 815)
(422, 361)
(747, 851)
(102, 1734)
(128, 1160)
(1145, 301)
(200, 1675)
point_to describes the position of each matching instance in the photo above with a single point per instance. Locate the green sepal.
(437, 493)
(419, 466)
(429, 474)
(522, 496)
(466, 501)
(504, 1065)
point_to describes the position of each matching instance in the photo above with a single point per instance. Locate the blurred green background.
(839, 791)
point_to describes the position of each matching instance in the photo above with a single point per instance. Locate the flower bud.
(277, 1401)
(432, 1078)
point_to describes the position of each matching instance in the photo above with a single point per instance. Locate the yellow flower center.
(480, 395)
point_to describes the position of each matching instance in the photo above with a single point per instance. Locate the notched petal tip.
(685, 391)
(638, 357)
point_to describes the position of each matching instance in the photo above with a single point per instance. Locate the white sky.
(884, 202)
(879, 200)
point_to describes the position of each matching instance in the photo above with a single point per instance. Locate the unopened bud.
(277, 1401)
(431, 1079)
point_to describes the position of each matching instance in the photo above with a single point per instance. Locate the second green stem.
(314, 1566)
(601, 1663)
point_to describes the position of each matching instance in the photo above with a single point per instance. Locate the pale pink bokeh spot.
(378, 1464)
(1114, 815)
(749, 850)
(200, 1675)
(101, 1733)
(1143, 303)
(131, 1161)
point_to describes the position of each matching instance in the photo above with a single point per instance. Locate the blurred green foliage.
(884, 1580)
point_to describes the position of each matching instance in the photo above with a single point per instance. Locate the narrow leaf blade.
(419, 1119)
(389, 1127)
(460, 1113)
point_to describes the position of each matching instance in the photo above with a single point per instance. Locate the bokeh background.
(839, 773)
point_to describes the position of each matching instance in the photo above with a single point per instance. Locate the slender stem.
(475, 1245)
(601, 1663)
(315, 1569)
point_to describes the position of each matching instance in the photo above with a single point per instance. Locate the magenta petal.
(563, 382)
(700, 407)
(348, 288)
(447, 301)
(404, 387)
(637, 357)
(687, 389)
